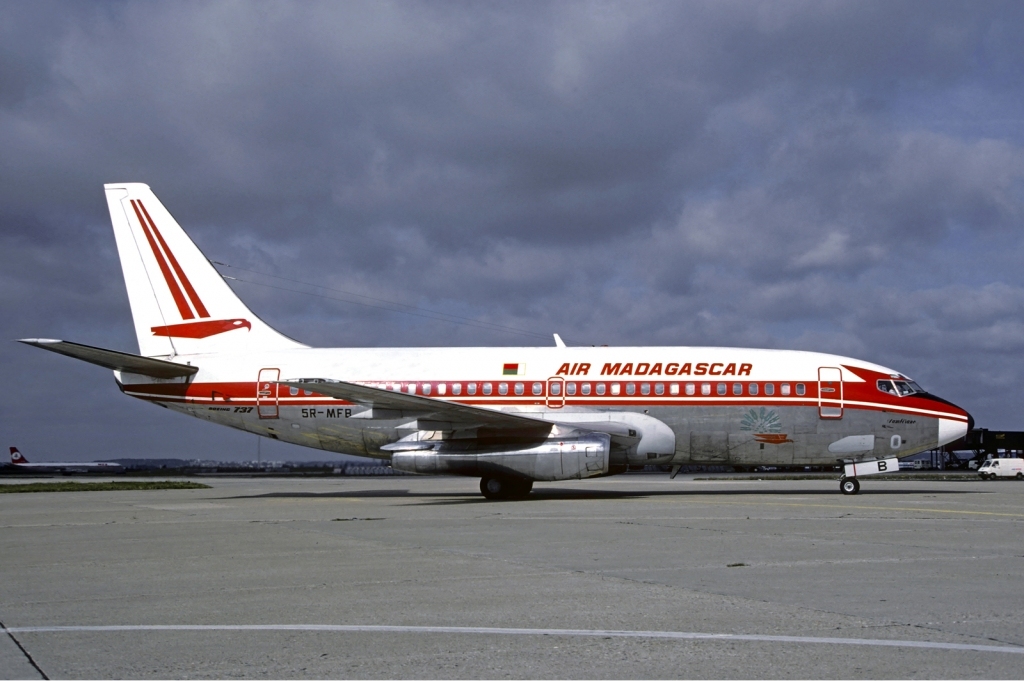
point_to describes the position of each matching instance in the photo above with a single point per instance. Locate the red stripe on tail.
(192, 295)
(179, 298)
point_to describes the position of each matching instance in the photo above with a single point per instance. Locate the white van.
(1002, 468)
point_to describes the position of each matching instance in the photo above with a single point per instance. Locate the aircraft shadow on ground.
(566, 494)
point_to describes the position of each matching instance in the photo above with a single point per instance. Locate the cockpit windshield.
(899, 387)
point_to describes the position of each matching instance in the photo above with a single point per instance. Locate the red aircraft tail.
(17, 457)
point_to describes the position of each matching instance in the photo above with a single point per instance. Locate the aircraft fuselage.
(719, 405)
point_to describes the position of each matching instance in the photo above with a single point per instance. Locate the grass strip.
(67, 486)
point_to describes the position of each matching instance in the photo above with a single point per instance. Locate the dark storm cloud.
(842, 176)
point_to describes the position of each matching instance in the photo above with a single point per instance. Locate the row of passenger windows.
(573, 388)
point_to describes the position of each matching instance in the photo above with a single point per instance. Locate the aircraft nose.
(950, 429)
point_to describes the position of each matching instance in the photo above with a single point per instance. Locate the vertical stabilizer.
(180, 303)
(17, 458)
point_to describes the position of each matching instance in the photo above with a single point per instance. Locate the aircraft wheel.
(493, 488)
(505, 488)
(1020, 476)
(849, 486)
(520, 489)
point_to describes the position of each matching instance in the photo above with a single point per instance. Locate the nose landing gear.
(848, 485)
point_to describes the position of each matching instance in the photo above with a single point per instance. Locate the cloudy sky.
(837, 176)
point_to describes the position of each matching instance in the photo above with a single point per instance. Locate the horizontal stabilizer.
(112, 359)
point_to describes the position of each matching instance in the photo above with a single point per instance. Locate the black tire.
(492, 488)
(849, 486)
(1020, 476)
(505, 488)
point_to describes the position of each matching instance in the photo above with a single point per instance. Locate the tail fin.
(180, 303)
(17, 457)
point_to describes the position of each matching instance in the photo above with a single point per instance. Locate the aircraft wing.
(112, 359)
(443, 414)
(437, 414)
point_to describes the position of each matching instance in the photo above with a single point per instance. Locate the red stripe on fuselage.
(244, 393)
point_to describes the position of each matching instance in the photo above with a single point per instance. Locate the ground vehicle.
(1002, 468)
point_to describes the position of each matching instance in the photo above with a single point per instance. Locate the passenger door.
(266, 393)
(556, 392)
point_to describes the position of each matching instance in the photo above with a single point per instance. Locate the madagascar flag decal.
(513, 369)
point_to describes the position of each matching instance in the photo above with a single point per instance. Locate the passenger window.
(659, 389)
(440, 388)
(645, 388)
(600, 389)
(691, 389)
(631, 388)
(538, 388)
(785, 389)
(769, 388)
(570, 388)
(705, 388)
(673, 389)
(307, 392)
(456, 388)
(412, 388)
(752, 388)
(520, 388)
(426, 388)
(616, 388)
(487, 388)
(503, 388)
(293, 391)
(737, 388)
(721, 388)
(585, 388)
(471, 389)
(800, 389)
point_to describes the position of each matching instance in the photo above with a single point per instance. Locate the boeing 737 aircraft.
(19, 460)
(510, 416)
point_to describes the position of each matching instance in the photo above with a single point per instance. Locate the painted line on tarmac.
(835, 507)
(504, 631)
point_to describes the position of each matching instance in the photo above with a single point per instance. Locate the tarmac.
(628, 577)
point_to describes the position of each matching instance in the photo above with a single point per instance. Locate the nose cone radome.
(950, 430)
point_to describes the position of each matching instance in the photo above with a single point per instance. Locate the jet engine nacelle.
(567, 459)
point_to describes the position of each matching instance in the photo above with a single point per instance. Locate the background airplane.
(18, 459)
(510, 416)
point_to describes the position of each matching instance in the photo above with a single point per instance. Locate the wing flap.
(112, 359)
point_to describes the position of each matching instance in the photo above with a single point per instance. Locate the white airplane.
(510, 416)
(19, 460)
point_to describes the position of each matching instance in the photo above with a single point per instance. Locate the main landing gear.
(505, 488)
(848, 485)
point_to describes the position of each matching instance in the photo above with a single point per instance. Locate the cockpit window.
(899, 388)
